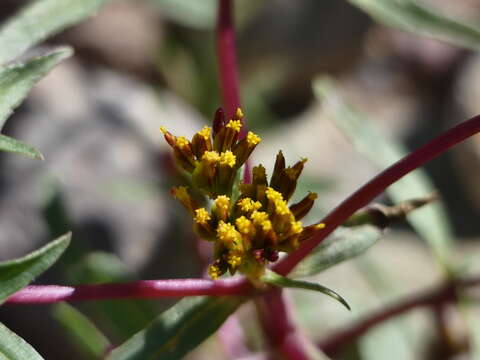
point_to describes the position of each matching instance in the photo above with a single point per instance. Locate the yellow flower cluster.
(249, 228)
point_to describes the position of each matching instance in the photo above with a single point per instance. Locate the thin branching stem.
(281, 332)
(227, 58)
(144, 289)
(377, 185)
(439, 295)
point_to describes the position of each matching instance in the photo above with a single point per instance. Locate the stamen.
(239, 114)
(244, 225)
(253, 139)
(211, 156)
(234, 260)
(296, 227)
(320, 226)
(222, 202)
(201, 216)
(205, 132)
(227, 158)
(235, 125)
(226, 232)
(259, 217)
(181, 142)
(247, 205)
(214, 272)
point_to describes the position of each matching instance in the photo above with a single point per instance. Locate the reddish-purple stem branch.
(439, 295)
(44, 294)
(377, 185)
(227, 60)
(228, 70)
(281, 332)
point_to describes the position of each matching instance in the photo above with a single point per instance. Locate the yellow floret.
(205, 132)
(181, 141)
(281, 207)
(248, 204)
(239, 113)
(273, 194)
(214, 272)
(226, 232)
(234, 260)
(163, 129)
(266, 225)
(234, 125)
(253, 139)
(211, 156)
(227, 158)
(296, 227)
(259, 217)
(201, 216)
(320, 226)
(222, 202)
(243, 225)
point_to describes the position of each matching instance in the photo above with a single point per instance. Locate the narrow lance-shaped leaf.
(14, 146)
(82, 331)
(39, 20)
(18, 273)
(275, 279)
(342, 245)
(16, 80)
(178, 330)
(196, 14)
(431, 221)
(13, 347)
(411, 16)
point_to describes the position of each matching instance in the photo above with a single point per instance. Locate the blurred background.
(107, 173)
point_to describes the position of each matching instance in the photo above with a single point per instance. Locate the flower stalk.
(227, 59)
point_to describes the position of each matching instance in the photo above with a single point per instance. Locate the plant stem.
(279, 329)
(439, 295)
(377, 185)
(46, 294)
(227, 60)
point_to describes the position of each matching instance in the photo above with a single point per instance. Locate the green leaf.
(11, 145)
(39, 20)
(16, 80)
(431, 221)
(13, 347)
(16, 274)
(82, 331)
(178, 330)
(196, 14)
(411, 16)
(273, 278)
(343, 244)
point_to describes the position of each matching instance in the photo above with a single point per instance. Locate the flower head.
(250, 226)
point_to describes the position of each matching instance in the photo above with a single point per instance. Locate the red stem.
(45, 294)
(439, 295)
(227, 60)
(377, 185)
(281, 332)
